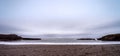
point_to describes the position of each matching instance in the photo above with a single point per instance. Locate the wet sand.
(59, 50)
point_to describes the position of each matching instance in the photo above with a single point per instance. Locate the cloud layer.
(34, 17)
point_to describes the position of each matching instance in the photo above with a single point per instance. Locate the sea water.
(59, 42)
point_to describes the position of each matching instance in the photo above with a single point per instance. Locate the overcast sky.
(34, 17)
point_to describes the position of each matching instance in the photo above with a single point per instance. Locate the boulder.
(110, 37)
(9, 37)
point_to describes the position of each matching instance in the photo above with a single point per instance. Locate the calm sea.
(59, 42)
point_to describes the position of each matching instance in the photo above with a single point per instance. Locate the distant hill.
(110, 37)
(14, 37)
(9, 37)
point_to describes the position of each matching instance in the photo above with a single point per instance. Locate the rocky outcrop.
(14, 37)
(31, 38)
(85, 39)
(110, 37)
(9, 37)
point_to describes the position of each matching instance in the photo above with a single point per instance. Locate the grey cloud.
(8, 29)
(112, 27)
(115, 24)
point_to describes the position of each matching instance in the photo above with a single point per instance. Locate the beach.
(60, 50)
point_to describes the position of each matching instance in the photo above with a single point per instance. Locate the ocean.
(58, 42)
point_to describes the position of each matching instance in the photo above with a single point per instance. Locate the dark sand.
(59, 50)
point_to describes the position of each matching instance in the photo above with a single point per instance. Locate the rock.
(85, 39)
(9, 37)
(31, 38)
(14, 37)
(110, 37)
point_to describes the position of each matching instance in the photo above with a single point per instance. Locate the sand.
(59, 50)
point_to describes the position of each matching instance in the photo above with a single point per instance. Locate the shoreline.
(52, 43)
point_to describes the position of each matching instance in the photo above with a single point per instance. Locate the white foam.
(52, 43)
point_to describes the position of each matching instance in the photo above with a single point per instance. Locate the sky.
(34, 17)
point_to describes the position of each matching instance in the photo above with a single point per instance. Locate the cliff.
(14, 37)
(110, 37)
(9, 37)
